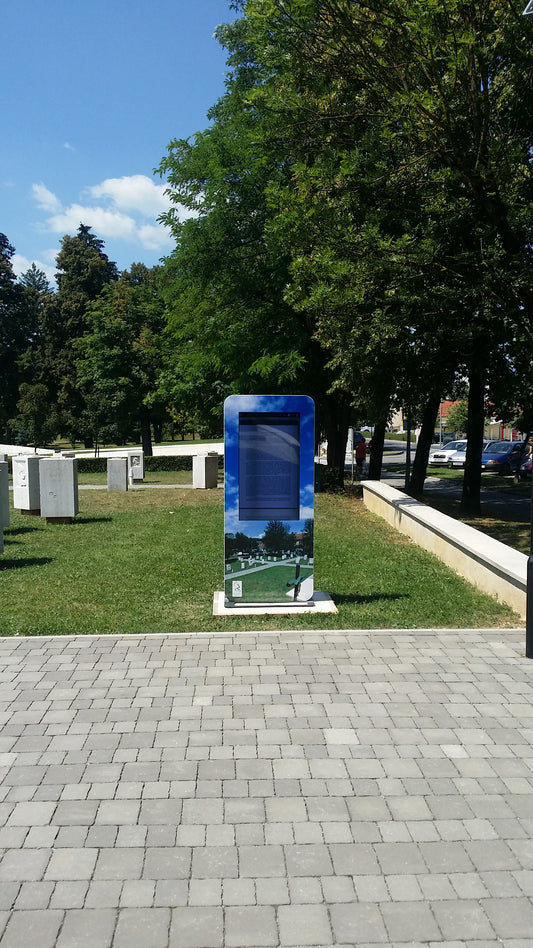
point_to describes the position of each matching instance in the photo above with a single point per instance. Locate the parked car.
(457, 459)
(440, 456)
(503, 457)
(525, 469)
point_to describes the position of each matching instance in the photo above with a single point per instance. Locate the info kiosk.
(268, 499)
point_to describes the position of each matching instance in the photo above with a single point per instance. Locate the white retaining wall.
(489, 565)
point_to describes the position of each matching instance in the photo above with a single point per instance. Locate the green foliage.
(457, 417)
(151, 464)
(84, 270)
(277, 537)
(407, 214)
(119, 357)
(15, 335)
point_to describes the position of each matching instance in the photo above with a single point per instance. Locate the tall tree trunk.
(471, 499)
(158, 431)
(146, 433)
(425, 440)
(336, 413)
(376, 454)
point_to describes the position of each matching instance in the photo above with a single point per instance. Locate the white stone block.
(59, 488)
(4, 495)
(26, 483)
(205, 470)
(117, 474)
(136, 465)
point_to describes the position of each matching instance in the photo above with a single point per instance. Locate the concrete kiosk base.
(320, 602)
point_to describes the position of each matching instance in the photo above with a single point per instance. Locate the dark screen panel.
(269, 465)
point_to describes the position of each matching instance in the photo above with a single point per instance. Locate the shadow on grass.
(18, 531)
(92, 520)
(343, 599)
(25, 561)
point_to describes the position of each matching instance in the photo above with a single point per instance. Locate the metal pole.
(529, 590)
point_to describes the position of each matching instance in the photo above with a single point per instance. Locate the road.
(503, 500)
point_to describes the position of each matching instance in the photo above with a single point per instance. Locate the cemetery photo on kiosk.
(268, 498)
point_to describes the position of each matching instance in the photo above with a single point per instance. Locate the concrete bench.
(489, 565)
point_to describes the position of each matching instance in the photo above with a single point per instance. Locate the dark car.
(525, 469)
(503, 457)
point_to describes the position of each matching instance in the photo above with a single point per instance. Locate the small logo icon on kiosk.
(236, 588)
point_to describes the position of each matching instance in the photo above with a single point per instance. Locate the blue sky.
(92, 95)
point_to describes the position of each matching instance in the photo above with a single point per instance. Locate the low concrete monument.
(135, 466)
(26, 489)
(4, 495)
(205, 470)
(59, 489)
(117, 474)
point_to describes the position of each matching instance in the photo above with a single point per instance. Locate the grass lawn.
(149, 561)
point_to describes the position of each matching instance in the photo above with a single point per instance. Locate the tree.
(83, 272)
(35, 422)
(426, 108)
(277, 537)
(119, 358)
(457, 418)
(307, 539)
(233, 326)
(15, 335)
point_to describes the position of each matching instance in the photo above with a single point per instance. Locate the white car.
(441, 455)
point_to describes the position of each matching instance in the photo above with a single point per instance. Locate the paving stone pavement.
(348, 788)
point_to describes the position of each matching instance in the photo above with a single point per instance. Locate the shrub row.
(151, 464)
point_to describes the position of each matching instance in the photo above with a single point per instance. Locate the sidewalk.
(295, 789)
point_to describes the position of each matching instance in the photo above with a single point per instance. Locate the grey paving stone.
(167, 863)
(357, 923)
(71, 864)
(510, 918)
(24, 865)
(308, 860)
(196, 927)
(214, 862)
(464, 920)
(397, 858)
(32, 929)
(304, 925)
(250, 925)
(142, 927)
(87, 928)
(261, 861)
(119, 864)
(250, 738)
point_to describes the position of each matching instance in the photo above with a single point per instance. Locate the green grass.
(269, 584)
(149, 561)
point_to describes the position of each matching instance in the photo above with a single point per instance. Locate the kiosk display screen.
(269, 465)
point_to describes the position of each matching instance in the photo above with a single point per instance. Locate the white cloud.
(46, 200)
(21, 264)
(135, 192)
(132, 205)
(105, 223)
